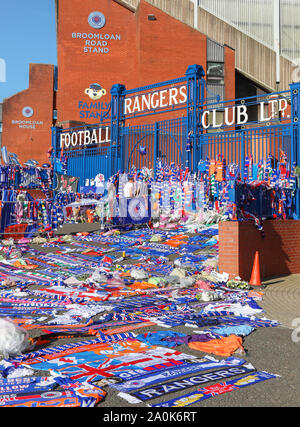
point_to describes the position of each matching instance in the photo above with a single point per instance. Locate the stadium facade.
(243, 46)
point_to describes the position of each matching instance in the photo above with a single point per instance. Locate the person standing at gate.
(128, 194)
(129, 190)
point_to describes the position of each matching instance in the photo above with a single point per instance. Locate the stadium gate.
(257, 127)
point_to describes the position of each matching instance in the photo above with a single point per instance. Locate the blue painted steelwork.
(55, 82)
(235, 145)
(86, 163)
(264, 135)
(195, 100)
(117, 122)
(208, 128)
(166, 140)
(150, 89)
(295, 135)
(144, 144)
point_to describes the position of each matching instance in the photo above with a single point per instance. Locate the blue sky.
(27, 35)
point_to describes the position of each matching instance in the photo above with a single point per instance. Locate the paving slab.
(281, 300)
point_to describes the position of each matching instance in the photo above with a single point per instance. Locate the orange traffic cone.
(255, 275)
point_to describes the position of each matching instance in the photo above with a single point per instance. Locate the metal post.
(295, 117)
(277, 42)
(117, 120)
(84, 167)
(53, 139)
(194, 75)
(200, 127)
(156, 147)
(242, 153)
(120, 151)
(295, 134)
(196, 4)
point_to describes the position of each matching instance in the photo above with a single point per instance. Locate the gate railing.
(256, 126)
(185, 93)
(258, 143)
(82, 151)
(144, 144)
(87, 163)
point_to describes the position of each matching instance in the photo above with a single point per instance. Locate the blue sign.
(96, 20)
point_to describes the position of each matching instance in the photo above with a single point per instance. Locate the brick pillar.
(279, 249)
(229, 248)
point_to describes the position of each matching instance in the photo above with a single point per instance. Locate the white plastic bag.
(13, 339)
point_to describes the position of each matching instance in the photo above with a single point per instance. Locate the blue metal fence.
(258, 143)
(256, 126)
(270, 123)
(144, 144)
(86, 163)
(86, 155)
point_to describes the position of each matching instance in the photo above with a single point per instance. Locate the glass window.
(215, 73)
(215, 80)
(215, 69)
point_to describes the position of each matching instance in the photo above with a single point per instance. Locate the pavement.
(281, 300)
(275, 350)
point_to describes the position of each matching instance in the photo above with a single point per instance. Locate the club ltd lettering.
(238, 115)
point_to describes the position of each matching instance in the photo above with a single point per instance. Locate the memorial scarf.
(216, 389)
(183, 383)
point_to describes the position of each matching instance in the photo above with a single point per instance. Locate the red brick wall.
(228, 248)
(166, 46)
(78, 69)
(279, 250)
(229, 66)
(148, 52)
(30, 142)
